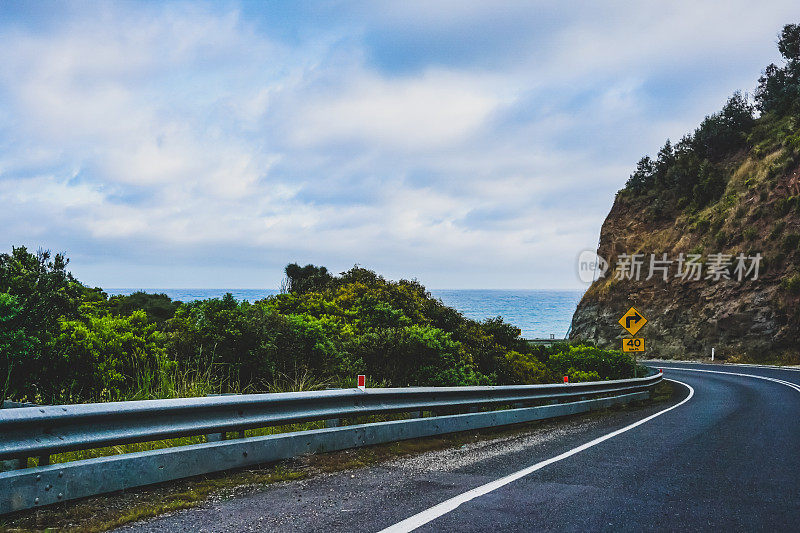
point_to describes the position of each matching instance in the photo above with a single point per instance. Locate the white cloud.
(182, 135)
(429, 111)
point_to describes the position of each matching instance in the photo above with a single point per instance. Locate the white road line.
(782, 382)
(422, 518)
(747, 365)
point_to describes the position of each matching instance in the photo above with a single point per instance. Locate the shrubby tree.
(779, 86)
(308, 278)
(725, 132)
(158, 307)
(44, 293)
(15, 346)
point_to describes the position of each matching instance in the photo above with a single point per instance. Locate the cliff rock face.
(755, 210)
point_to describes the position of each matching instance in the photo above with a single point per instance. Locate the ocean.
(539, 313)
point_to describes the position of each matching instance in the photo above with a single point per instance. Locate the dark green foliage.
(779, 87)
(157, 307)
(15, 346)
(777, 231)
(790, 242)
(702, 225)
(307, 278)
(43, 293)
(723, 133)
(642, 177)
(607, 363)
(792, 284)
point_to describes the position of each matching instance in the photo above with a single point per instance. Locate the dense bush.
(791, 284)
(607, 363)
(779, 87)
(85, 346)
(109, 357)
(157, 307)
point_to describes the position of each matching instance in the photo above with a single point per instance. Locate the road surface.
(724, 454)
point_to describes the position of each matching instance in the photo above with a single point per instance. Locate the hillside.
(730, 194)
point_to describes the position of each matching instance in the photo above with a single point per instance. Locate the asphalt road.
(726, 457)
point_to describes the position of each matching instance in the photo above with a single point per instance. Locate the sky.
(464, 144)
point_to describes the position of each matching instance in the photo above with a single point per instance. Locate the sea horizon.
(539, 313)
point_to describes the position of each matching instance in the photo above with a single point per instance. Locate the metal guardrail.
(41, 431)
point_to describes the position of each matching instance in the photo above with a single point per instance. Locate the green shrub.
(782, 207)
(525, 368)
(792, 284)
(790, 242)
(611, 364)
(158, 307)
(777, 230)
(111, 358)
(750, 233)
(578, 376)
(702, 225)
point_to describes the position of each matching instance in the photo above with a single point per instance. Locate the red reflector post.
(362, 381)
(566, 379)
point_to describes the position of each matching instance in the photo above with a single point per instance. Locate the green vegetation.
(792, 284)
(695, 172)
(63, 342)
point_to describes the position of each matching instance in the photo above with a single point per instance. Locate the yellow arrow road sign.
(632, 321)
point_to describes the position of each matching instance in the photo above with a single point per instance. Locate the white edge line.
(776, 380)
(422, 518)
(746, 365)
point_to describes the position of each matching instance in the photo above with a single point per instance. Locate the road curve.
(729, 457)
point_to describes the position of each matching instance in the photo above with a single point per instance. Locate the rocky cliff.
(726, 198)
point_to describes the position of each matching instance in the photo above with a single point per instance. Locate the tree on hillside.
(779, 87)
(306, 279)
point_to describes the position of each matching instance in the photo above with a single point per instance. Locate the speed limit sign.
(633, 345)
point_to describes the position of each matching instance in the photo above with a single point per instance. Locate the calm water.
(539, 313)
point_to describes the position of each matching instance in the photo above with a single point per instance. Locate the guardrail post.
(333, 423)
(44, 460)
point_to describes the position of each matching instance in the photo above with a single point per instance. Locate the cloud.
(429, 111)
(466, 144)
